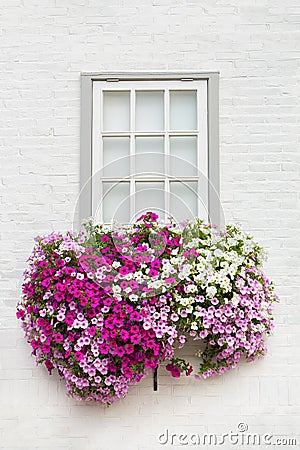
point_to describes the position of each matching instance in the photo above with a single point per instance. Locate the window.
(149, 143)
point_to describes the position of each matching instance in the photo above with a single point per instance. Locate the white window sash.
(202, 138)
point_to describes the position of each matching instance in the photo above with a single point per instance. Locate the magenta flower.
(20, 314)
(135, 338)
(123, 270)
(104, 348)
(58, 337)
(135, 316)
(128, 373)
(119, 351)
(124, 335)
(49, 365)
(175, 372)
(129, 348)
(78, 356)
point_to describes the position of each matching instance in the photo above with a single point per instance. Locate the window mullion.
(132, 152)
(167, 198)
(202, 146)
(96, 154)
(132, 197)
(101, 167)
(146, 133)
(167, 153)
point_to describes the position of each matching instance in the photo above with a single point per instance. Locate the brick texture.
(256, 47)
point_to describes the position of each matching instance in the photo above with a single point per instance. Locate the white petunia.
(211, 291)
(116, 264)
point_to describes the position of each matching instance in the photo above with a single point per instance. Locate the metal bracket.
(155, 380)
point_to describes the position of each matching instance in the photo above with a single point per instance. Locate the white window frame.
(208, 132)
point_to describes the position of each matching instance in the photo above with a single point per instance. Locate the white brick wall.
(44, 47)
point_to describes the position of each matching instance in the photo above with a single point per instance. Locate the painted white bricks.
(44, 47)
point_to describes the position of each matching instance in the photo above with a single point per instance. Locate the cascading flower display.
(108, 305)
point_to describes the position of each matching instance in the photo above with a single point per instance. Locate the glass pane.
(183, 110)
(185, 148)
(116, 160)
(183, 200)
(116, 202)
(149, 197)
(116, 111)
(149, 156)
(149, 114)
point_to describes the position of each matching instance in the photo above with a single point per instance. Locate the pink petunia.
(175, 372)
(58, 337)
(104, 348)
(128, 373)
(124, 335)
(49, 365)
(134, 329)
(135, 316)
(135, 338)
(20, 314)
(124, 270)
(129, 348)
(79, 356)
(119, 351)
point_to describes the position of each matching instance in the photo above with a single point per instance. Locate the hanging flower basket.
(107, 306)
